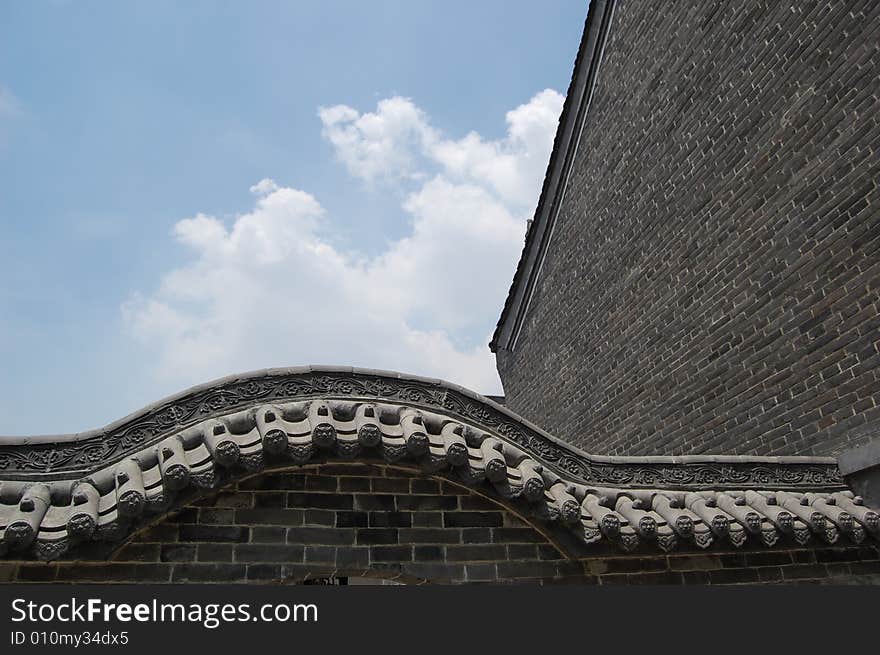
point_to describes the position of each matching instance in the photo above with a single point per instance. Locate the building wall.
(713, 280)
(389, 523)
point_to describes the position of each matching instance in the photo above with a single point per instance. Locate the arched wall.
(453, 488)
(332, 519)
(395, 522)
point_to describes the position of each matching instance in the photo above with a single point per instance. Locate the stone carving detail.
(229, 395)
(44, 519)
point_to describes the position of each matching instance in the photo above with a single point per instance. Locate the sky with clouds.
(188, 191)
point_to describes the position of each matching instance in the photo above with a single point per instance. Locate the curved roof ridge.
(44, 518)
(53, 456)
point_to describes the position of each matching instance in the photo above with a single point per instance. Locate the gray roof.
(57, 493)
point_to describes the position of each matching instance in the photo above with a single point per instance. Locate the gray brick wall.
(713, 282)
(345, 519)
(385, 522)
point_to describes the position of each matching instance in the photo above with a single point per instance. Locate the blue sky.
(192, 189)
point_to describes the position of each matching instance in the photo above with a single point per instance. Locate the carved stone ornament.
(59, 457)
(57, 493)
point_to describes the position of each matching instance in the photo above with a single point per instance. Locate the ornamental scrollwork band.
(67, 457)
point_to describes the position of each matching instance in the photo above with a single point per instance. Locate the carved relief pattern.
(154, 424)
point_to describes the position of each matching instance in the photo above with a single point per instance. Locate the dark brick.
(436, 571)
(268, 553)
(423, 503)
(346, 519)
(480, 572)
(634, 564)
(803, 556)
(391, 553)
(274, 499)
(476, 553)
(185, 515)
(390, 520)
(430, 536)
(837, 555)
(477, 503)
(354, 484)
(428, 554)
(114, 572)
(477, 535)
(37, 572)
(235, 500)
(163, 532)
(660, 578)
(522, 551)
(213, 533)
(215, 516)
(321, 483)
(374, 502)
(472, 519)
(865, 568)
(323, 554)
(275, 482)
(354, 468)
(377, 536)
(320, 517)
(270, 516)
(769, 574)
(209, 573)
(427, 519)
(733, 576)
(546, 551)
(516, 535)
(320, 501)
(391, 485)
(268, 534)
(801, 571)
(138, 552)
(262, 572)
(214, 553)
(321, 536)
(425, 487)
(779, 558)
(352, 557)
(178, 553)
(695, 577)
(524, 570)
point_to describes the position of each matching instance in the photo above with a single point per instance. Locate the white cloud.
(263, 187)
(510, 166)
(378, 146)
(397, 141)
(270, 289)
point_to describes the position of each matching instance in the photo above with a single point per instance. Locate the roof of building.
(57, 493)
(571, 120)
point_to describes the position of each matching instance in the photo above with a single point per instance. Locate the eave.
(571, 121)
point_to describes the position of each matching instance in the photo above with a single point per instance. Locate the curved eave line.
(46, 519)
(60, 456)
(571, 120)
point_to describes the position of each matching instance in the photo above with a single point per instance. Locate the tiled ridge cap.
(45, 519)
(59, 456)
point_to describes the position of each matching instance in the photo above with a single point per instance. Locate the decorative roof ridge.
(571, 119)
(46, 518)
(57, 456)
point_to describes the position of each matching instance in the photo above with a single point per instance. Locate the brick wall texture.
(713, 281)
(393, 524)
